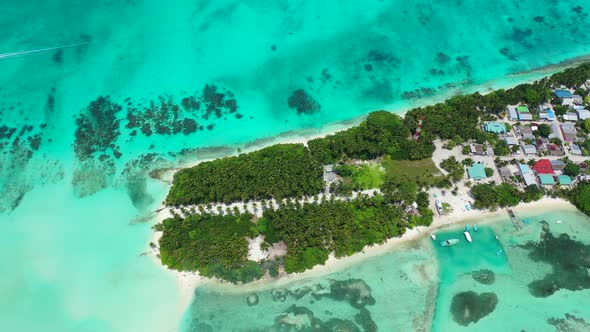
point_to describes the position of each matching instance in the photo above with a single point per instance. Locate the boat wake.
(8, 55)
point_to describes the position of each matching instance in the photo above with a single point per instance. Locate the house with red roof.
(543, 166)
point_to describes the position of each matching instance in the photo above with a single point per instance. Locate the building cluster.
(545, 136)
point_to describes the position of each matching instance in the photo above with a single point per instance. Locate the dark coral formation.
(570, 323)
(569, 258)
(470, 307)
(252, 300)
(165, 116)
(17, 148)
(302, 319)
(303, 102)
(98, 129)
(484, 276)
(505, 51)
(355, 292)
(418, 93)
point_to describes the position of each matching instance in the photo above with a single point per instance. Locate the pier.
(514, 219)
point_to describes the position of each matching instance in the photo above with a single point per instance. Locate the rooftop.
(546, 179)
(494, 127)
(565, 180)
(563, 94)
(522, 109)
(477, 172)
(543, 166)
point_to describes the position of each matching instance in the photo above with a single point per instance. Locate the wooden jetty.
(515, 221)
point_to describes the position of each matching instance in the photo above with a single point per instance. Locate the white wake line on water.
(40, 50)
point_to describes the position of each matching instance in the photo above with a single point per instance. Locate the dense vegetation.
(382, 133)
(284, 170)
(490, 196)
(580, 197)
(312, 231)
(214, 245)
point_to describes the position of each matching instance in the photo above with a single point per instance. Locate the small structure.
(525, 116)
(555, 150)
(543, 166)
(477, 149)
(439, 207)
(494, 127)
(477, 172)
(575, 150)
(577, 99)
(557, 165)
(512, 113)
(564, 180)
(529, 149)
(524, 132)
(546, 113)
(570, 116)
(569, 131)
(527, 175)
(583, 114)
(541, 143)
(505, 173)
(546, 179)
(511, 140)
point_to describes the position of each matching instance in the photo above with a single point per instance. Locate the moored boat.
(475, 227)
(467, 228)
(449, 242)
(433, 236)
(467, 236)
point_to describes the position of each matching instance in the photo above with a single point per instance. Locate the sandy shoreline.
(188, 281)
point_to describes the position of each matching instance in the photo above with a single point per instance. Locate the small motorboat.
(449, 242)
(467, 228)
(526, 221)
(467, 236)
(475, 227)
(558, 222)
(432, 236)
(499, 252)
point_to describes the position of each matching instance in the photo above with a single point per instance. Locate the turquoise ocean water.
(414, 287)
(96, 94)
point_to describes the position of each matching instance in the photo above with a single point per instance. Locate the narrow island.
(286, 208)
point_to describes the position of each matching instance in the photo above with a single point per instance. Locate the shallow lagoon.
(67, 226)
(413, 288)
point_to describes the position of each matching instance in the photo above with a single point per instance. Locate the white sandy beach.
(187, 281)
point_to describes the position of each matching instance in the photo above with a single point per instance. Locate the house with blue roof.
(563, 94)
(477, 172)
(566, 97)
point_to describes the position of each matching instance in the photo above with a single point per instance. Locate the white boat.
(467, 236)
(558, 222)
(433, 236)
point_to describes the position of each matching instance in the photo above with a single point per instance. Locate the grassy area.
(420, 171)
(368, 176)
